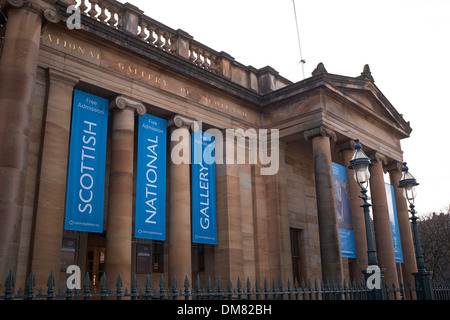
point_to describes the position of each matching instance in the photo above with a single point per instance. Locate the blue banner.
(344, 215)
(204, 227)
(86, 178)
(150, 222)
(395, 230)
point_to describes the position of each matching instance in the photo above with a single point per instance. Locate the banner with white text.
(393, 219)
(204, 227)
(150, 222)
(86, 177)
(344, 215)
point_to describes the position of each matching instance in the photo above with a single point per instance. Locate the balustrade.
(126, 17)
(109, 12)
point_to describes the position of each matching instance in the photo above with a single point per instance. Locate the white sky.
(405, 42)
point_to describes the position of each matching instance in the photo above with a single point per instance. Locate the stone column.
(382, 226)
(120, 207)
(410, 265)
(330, 250)
(18, 67)
(359, 229)
(280, 258)
(228, 254)
(52, 177)
(180, 199)
(259, 197)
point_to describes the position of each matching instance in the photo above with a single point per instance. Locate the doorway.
(95, 259)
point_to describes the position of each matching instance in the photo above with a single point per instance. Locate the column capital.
(320, 131)
(179, 121)
(394, 166)
(347, 145)
(122, 102)
(62, 79)
(46, 9)
(376, 156)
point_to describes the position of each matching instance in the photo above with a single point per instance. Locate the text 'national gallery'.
(130, 148)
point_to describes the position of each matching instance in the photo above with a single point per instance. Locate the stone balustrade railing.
(129, 18)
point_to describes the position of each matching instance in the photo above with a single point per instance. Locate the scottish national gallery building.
(129, 147)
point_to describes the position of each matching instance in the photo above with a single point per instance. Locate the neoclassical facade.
(280, 226)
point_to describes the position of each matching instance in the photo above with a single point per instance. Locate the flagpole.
(302, 61)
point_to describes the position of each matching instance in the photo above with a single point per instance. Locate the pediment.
(367, 99)
(364, 97)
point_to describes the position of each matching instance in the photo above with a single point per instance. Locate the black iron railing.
(305, 290)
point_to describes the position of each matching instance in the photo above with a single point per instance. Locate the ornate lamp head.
(408, 183)
(360, 163)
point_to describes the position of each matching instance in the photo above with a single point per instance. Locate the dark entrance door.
(95, 259)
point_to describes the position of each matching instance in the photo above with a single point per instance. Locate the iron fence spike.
(209, 285)
(119, 283)
(174, 282)
(134, 283)
(9, 282)
(104, 281)
(51, 281)
(87, 280)
(197, 283)
(219, 284)
(31, 282)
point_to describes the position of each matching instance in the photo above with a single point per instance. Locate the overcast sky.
(405, 42)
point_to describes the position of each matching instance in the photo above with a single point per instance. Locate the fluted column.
(409, 266)
(120, 207)
(18, 67)
(330, 250)
(180, 199)
(382, 226)
(359, 229)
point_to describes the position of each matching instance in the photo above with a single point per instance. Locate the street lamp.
(422, 277)
(360, 163)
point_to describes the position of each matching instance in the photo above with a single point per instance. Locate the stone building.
(280, 226)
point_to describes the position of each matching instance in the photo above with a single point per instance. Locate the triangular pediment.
(363, 96)
(366, 98)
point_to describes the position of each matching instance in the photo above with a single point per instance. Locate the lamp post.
(424, 286)
(360, 163)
